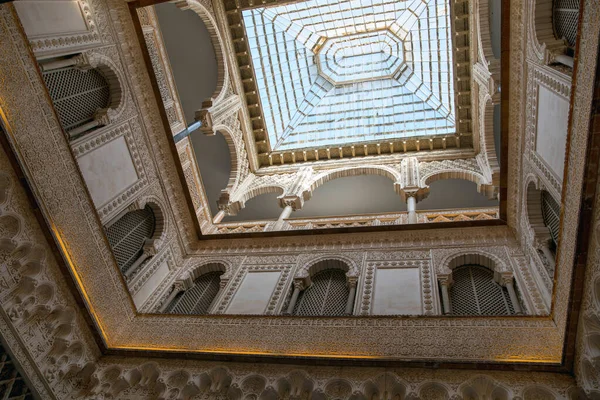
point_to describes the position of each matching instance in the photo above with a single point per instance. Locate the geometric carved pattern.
(327, 296)
(475, 293)
(198, 298)
(77, 95)
(128, 235)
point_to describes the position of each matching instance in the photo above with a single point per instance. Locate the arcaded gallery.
(299, 199)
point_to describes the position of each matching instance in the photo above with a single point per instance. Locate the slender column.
(145, 255)
(177, 287)
(507, 280)
(411, 203)
(446, 304)
(219, 217)
(79, 61)
(564, 60)
(352, 281)
(83, 128)
(548, 254)
(298, 287)
(287, 211)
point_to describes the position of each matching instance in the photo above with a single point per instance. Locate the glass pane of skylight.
(333, 72)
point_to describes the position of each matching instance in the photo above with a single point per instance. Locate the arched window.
(565, 19)
(327, 296)
(475, 292)
(199, 297)
(77, 95)
(128, 235)
(551, 215)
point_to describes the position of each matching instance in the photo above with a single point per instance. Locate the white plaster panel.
(50, 18)
(108, 170)
(151, 284)
(254, 293)
(397, 292)
(552, 121)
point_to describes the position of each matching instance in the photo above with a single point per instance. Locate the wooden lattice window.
(327, 296)
(128, 235)
(77, 94)
(474, 292)
(198, 298)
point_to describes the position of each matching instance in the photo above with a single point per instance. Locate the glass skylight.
(334, 72)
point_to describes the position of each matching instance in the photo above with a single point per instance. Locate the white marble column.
(287, 211)
(411, 203)
(177, 288)
(445, 281)
(298, 287)
(352, 282)
(507, 280)
(218, 217)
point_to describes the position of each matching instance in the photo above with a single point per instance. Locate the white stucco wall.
(47, 18)
(151, 284)
(397, 292)
(254, 293)
(552, 122)
(108, 170)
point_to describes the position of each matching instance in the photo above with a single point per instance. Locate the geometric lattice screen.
(565, 18)
(327, 296)
(12, 385)
(77, 95)
(474, 292)
(332, 72)
(197, 299)
(128, 235)
(551, 215)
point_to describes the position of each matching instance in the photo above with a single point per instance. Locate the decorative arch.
(311, 266)
(489, 144)
(235, 155)
(483, 186)
(486, 53)
(479, 257)
(541, 32)
(533, 210)
(160, 220)
(209, 21)
(257, 191)
(116, 82)
(381, 170)
(211, 265)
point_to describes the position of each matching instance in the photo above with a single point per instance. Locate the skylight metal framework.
(332, 72)
(344, 78)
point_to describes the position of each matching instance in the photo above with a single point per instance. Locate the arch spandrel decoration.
(204, 11)
(306, 262)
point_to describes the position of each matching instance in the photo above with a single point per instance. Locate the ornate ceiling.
(327, 80)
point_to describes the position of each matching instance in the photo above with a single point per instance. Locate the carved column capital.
(296, 202)
(445, 279)
(352, 281)
(205, 118)
(506, 278)
(300, 284)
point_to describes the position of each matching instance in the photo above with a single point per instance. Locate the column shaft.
(411, 203)
(287, 211)
(293, 300)
(168, 301)
(446, 299)
(350, 301)
(219, 217)
(513, 297)
(549, 256)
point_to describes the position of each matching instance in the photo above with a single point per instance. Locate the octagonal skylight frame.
(432, 110)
